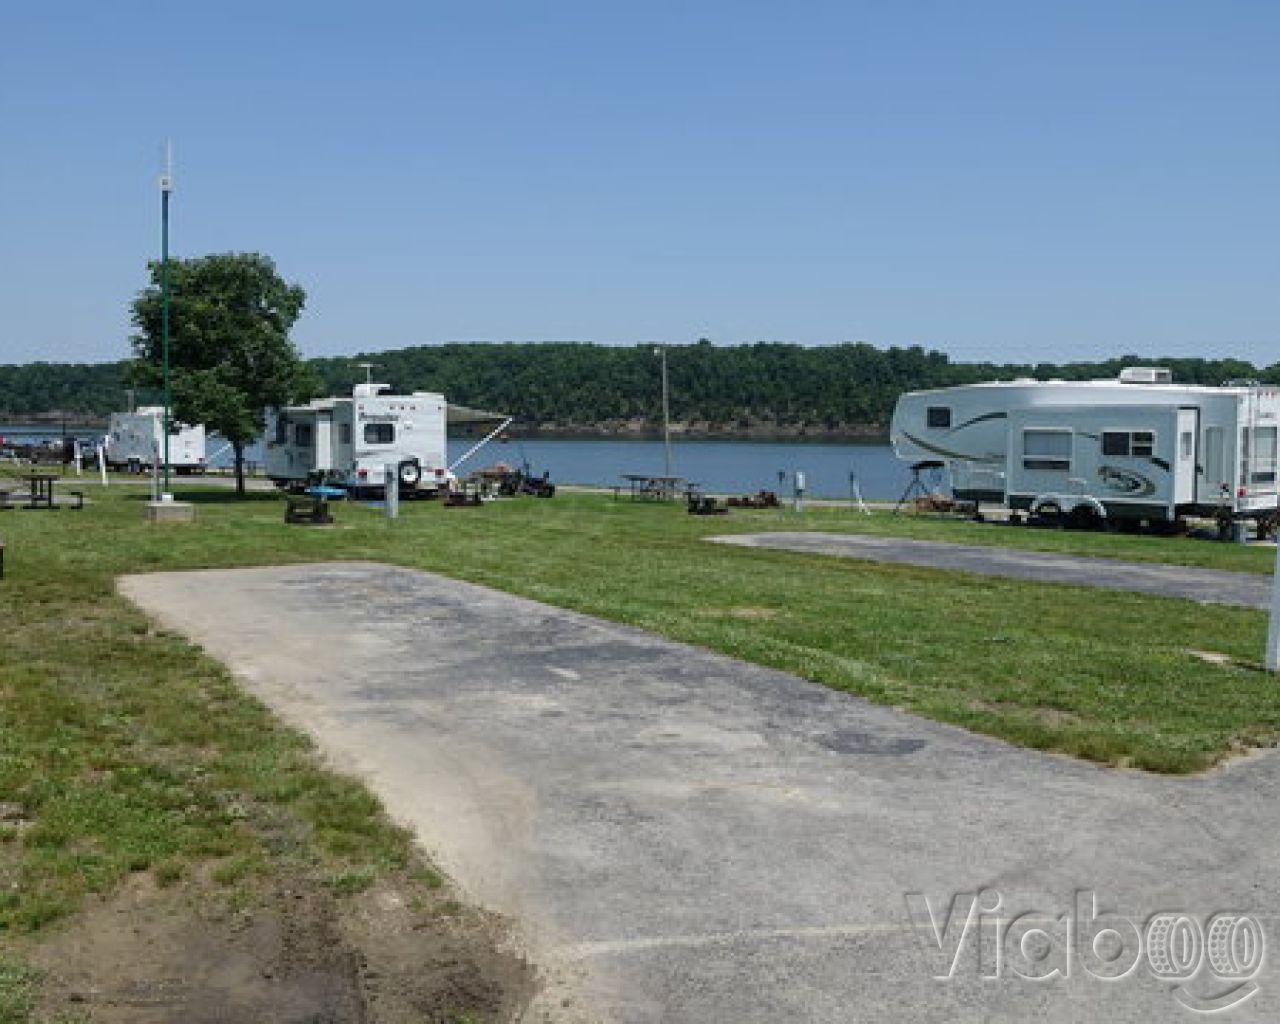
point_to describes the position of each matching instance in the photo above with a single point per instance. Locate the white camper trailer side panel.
(1257, 482)
(291, 444)
(1185, 461)
(349, 442)
(1125, 459)
(343, 438)
(298, 442)
(965, 427)
(1230, 465)
(131, 440)
(276, 461)
(136, 440)
(404, 431)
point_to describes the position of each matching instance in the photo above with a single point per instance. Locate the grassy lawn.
(123, 749)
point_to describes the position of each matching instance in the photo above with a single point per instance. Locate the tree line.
(552, 385)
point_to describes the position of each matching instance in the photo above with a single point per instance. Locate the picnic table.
(643, 487)
(312, 505)
(41, 486)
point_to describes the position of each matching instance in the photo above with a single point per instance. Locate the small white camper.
(348, 442)
(1136, 448)
(135, 442)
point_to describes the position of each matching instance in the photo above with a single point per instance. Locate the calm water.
(27, 433)
(720, 466)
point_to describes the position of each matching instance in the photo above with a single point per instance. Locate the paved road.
(1214, 586)
(687, 838)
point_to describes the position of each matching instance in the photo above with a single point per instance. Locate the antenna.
(368, 371)
(166, 179)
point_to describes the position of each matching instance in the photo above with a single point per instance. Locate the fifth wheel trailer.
(1135, 448)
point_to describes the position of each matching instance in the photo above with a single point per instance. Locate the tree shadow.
(213, 497)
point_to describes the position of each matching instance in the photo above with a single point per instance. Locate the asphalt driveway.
(1213, 586)
(687, 838)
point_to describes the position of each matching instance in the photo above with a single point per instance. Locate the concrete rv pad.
(686, 838)
(1212, 586)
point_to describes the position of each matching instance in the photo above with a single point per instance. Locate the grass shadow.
(210, 497)
(228, 497)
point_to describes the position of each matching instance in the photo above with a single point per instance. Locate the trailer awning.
(461, 416)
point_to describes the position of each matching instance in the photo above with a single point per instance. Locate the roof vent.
(1146, 375)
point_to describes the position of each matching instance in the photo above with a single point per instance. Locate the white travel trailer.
(1136, 448)
(349, 442)
(135, 442)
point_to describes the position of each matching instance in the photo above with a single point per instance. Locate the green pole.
(166, 185)
(164, 321)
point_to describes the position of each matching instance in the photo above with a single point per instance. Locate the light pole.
(661, 350)
(166, 189)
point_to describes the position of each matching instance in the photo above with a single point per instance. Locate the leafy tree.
(230, 356)
(763, 387)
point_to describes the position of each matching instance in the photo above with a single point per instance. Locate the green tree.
(230, 356)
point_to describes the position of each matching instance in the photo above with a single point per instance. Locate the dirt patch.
(1046, 715)
(292, 953)
(741, 612)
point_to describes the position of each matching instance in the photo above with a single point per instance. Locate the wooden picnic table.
(41, 485)
(644, 487)
(311, 506)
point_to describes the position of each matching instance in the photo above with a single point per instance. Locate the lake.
(725, 467)
(719, 466)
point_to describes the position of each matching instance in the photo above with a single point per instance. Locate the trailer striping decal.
(1162, 463)
(941, 451)
(980, 419)
(1126, 482)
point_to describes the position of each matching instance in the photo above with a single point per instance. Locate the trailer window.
(344, 433)
(1261, 467)
(938, 416)
(1115, 442)
(1046, 449)
(282, 430)
(379, 433)
(1138, 444)
(1188, 445)
(302, 435)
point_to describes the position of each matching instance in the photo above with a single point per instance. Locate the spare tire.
(409, 473)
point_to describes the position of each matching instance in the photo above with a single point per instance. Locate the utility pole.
(166, 189)
(661, 350)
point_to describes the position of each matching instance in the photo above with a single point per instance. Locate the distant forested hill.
(761, 388)
(80, 391)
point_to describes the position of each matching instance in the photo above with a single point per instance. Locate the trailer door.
(1215, 464)
(1184, 456)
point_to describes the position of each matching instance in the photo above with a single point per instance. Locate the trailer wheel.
(1050, 514)
(1083, 517)
(409, 473)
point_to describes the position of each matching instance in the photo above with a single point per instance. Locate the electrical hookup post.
(1273, 627)
(391, 491)
(798, 492)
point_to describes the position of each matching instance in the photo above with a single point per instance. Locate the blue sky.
(1003, 181)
